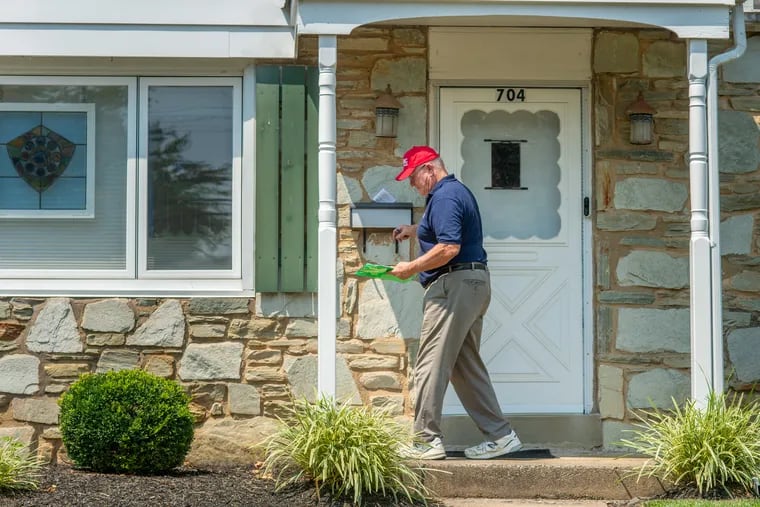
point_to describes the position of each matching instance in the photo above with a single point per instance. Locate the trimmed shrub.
(19, 469)
(346, 451)
(713, 448)
(126, 421)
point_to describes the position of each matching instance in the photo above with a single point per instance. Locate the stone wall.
(642, 227)
(239, 359)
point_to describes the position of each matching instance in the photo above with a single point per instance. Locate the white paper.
(383, 196)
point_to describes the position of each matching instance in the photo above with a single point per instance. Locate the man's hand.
(436, 257)
(403, 270)
(403, 232)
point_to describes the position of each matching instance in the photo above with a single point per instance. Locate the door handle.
(586, 206)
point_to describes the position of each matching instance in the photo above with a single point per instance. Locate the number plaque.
(510, 94)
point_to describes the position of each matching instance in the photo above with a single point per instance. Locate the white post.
(327, 233)
(248, 224)
(700, 246)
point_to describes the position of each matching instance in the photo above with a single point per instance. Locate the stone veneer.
(642, 232)
(241, 359)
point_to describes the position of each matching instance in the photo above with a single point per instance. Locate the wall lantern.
(386, 114)
(641, 116)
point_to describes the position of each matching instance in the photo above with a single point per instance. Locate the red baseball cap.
(415, 157)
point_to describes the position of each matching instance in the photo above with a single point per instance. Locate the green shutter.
(267, 178)
(286, 178)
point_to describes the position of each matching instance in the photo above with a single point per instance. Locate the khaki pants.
(454, 306)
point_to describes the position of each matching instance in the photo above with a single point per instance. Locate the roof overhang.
(699, 19)
(149, 28)
(129, 41)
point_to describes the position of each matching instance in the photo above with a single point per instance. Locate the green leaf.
(715, 447)
(350, 452)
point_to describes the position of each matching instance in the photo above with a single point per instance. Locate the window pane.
(41, 157)
(61, 243)
(190, 177)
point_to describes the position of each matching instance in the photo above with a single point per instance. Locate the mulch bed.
(63, 486)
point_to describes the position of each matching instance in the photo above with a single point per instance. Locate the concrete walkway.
(569, 479)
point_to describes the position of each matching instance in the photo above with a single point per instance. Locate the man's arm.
(436, 257)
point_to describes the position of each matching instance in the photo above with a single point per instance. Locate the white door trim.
(434, 88)
(587, 230)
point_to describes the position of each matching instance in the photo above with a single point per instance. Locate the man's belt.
(462, 265)
(454, 267)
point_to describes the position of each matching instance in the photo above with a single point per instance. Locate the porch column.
(327, 232)
(700, 245)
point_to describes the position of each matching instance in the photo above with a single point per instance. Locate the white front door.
(519, 151)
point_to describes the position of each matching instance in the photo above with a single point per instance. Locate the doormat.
(521, 454)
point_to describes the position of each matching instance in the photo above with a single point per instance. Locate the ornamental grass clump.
(713, 448)
(126, 421)
(19, 468)
(348, 452)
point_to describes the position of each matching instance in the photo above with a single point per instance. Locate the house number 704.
(510, 95)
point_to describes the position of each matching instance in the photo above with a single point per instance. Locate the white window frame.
(142, 171)
(89, 209)
(237, 282)
(38, 281)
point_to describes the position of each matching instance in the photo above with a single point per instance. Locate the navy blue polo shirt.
(451, 217)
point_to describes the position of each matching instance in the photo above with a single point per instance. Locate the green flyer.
(381, 272)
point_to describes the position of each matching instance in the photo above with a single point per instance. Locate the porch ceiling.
(703, 19)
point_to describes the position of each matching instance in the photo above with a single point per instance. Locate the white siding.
(163, 42)
(149, 12)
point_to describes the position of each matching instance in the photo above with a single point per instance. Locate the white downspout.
(699, 245)
(740, 41)
(327, 232)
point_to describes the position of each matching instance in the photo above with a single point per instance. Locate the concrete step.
(564, 477)
(506, 502)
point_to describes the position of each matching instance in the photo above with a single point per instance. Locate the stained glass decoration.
(40, 156)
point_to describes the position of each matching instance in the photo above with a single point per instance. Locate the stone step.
(565, 477)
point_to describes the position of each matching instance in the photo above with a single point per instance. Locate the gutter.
(713, 191)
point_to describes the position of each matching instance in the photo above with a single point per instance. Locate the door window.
(528, 193)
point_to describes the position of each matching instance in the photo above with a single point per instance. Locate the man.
(452, 269)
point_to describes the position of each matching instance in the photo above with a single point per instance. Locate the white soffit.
(110, 66)
(149, 28)
(708, 19)
(145, 41)
(524, 54)
(149, 12)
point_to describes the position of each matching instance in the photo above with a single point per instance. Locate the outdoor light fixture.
(386, 114)
(641, 115)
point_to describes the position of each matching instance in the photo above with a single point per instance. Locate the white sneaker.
(486, 450)
(424, 450)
